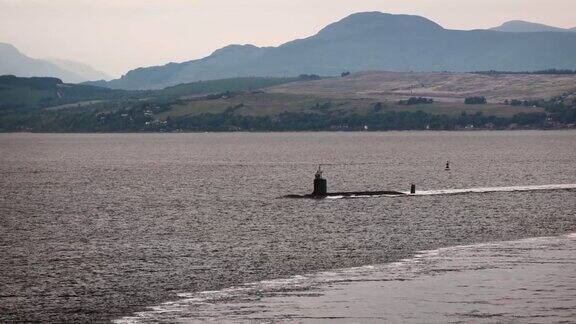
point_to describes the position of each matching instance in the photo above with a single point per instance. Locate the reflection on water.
(94, 227)
(531, 280)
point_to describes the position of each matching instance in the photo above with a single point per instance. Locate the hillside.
(360, 101)
(43, 92)
(358, 92)
(194, 89)
(13, 62)
(446, 87)
(85, 71)
(22, 94)
(520, 26)
(371, 41)
(275, 104)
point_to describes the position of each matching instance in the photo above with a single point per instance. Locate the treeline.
(390, 120)
(416, 101)
(475, 101)
(561, 109)
(547, 71)
(141, 116)
(423, 101)
(141, 120)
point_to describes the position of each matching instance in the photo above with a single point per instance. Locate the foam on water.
(547, 187)
(282, 299)
(496, 189)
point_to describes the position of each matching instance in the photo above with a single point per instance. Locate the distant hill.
(520, 26)
(356, 101)
(38, 92)
(44, 92)
(371, 41)
(441, 86)
(14, 62)
(85, 71)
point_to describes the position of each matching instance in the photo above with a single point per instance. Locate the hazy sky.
(117, 35)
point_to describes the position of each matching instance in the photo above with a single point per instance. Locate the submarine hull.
(347, 194)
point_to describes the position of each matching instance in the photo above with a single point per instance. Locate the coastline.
(467, 130)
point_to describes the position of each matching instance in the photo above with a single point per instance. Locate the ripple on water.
(526, 280)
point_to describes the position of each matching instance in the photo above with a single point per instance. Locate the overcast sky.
(115, 36)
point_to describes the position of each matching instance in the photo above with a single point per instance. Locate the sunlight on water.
(101, 226)
(469, 282)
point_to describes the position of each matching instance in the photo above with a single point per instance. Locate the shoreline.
(476, 130)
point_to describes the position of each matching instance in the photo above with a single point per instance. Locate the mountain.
(14, 62)
(520, 26)
(85, 71)
(371, 41)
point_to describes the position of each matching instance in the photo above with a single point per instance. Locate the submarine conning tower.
(320, 186)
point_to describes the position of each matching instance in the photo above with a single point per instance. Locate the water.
(99, 227)
(529, 280)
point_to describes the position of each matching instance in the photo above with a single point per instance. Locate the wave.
(548, 187)
(495, 189)
(290, 298)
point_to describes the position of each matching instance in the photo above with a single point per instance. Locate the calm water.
(100, 226)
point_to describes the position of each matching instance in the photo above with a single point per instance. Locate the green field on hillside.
(250, 104)
(51, 93)
(272, 104)
(223, 85)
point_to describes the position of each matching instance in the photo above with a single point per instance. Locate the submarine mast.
(320, 185)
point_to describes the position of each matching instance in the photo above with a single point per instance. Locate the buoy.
(447, 166)
(413, 189)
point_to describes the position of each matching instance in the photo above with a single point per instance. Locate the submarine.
(321, 190)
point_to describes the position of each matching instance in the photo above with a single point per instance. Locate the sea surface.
(192, 227)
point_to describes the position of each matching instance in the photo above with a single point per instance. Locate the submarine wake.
(530, 278)
(446, 192)
(570, 186)
(321, 190)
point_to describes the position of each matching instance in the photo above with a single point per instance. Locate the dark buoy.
(413, 189)
(447, 166)
(320, 186)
